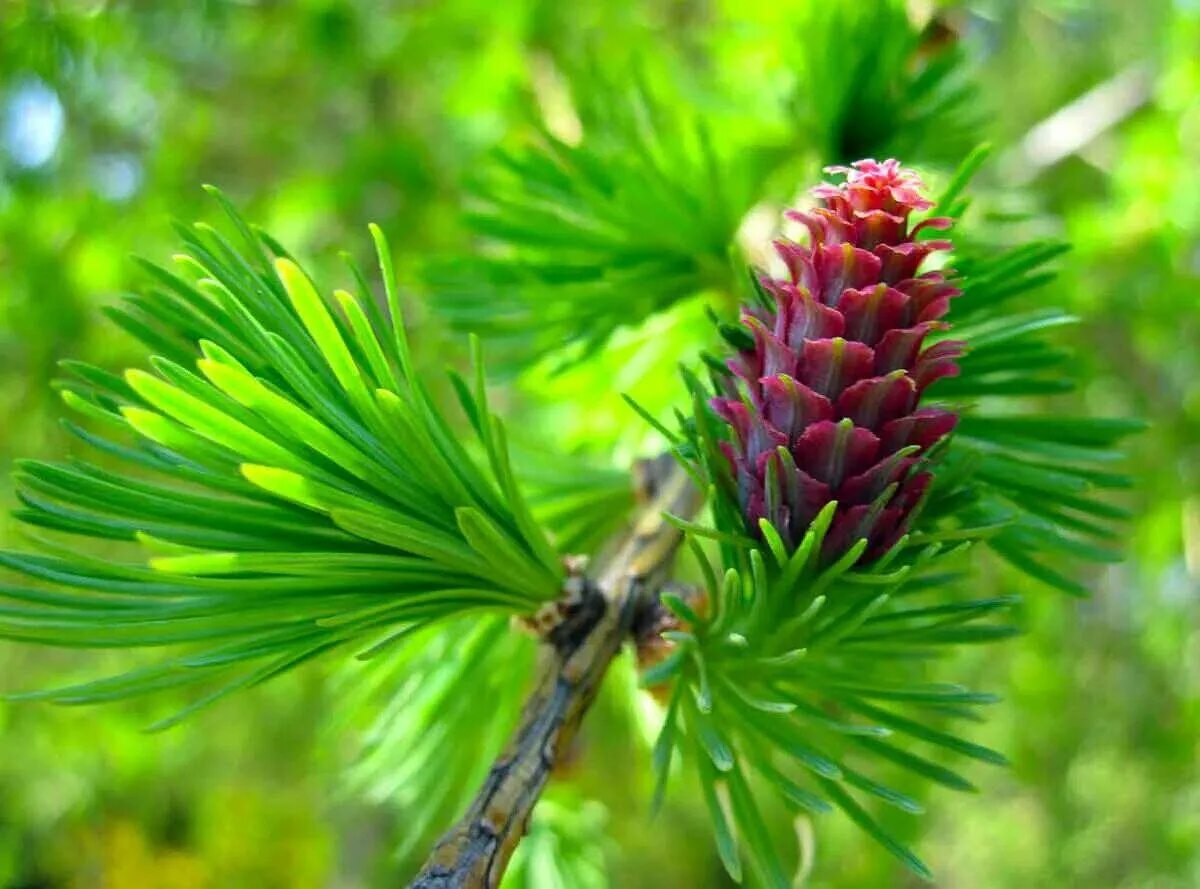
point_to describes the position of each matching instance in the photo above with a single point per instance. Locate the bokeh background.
(318, 116)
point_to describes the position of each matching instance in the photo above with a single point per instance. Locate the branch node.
(653, 619)
(568, 617)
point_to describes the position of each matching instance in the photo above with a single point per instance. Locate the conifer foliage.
(288, 482)
(844, 506)
(279, 480)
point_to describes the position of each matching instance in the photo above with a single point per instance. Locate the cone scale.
(827, 403)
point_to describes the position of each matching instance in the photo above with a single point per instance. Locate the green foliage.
(345, 484)
(1035, 476)
(871, 84)
(397, 113)
(307, 495)
(789, 672)
(788, 666)
(587, 232)
(586, 505)
(564, 848)
(788, 657)
(410, 707)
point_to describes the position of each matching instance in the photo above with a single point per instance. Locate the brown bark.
(576, 655)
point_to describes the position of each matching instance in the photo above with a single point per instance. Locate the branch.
(1071, 129)
(476, 851)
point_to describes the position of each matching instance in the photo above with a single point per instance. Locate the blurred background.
(318, 116)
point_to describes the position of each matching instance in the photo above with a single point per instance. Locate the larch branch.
(575, 658)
